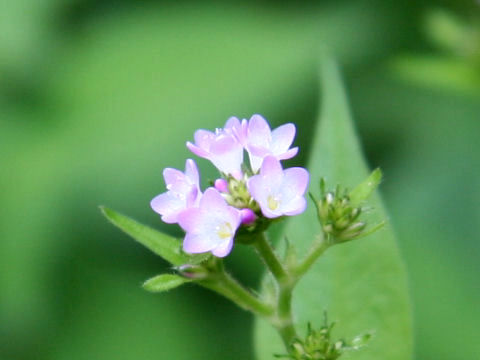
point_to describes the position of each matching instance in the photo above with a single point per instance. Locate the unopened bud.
(221, 185)
(196, 272)
(248, 216)
(318, 344)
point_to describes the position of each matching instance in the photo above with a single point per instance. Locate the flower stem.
(284, 312)
(283, 319)
(226, 285)
(268, 255)
(317, 249)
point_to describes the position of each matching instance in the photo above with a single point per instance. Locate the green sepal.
(371, 230)
(363, 190)
(165, 246)
(164, 282)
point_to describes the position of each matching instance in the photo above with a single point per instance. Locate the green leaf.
(164, 282)
(362, 284)
(161, 244)
(363, 191)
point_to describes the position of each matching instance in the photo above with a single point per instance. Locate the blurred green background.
(97, 97)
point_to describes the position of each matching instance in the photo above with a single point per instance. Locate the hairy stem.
(268, 255)
(226, 285)
(283, 320)
(317, 249)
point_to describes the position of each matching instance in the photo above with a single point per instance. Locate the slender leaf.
(361, 284)
(164, 282)
(161, 244)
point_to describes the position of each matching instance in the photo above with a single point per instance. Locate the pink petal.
(257, 150)
(191, 171)
(234, 217)
(213, 201)
(288, 154)
(271, 169)
(168, 206)
(282, 138)
(259, 132)
(295, 207)
(192, 196)
(223, 249)
(240, 131)
(197, 243)
(203, 138)
(197, 151)
(257, 189)
(190, 219)
(296, 180)
(232, 123)
(230, 162)
(224, 144)
(173, 176)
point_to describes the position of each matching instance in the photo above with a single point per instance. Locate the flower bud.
(339, 211)
(339, 216)
(195, 272)
(248, 216)
(319, 345)
(221, 185)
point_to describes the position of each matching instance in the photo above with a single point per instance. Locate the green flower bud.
(339, 211)
(318, 344)
(195, 272)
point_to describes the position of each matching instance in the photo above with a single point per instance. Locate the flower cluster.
(247, 192)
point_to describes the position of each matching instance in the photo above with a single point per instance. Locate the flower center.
(224, 231)
(272, 202)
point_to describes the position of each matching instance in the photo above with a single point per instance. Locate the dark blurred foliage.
(97, 97)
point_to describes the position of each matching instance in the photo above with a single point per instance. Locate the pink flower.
(211, 226)
(183, 192)
(221, 147)
(260, 141)
(277, 191)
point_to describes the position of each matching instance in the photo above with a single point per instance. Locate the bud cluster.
(236, 193)
(339, 211)
(318, 344)
(338, 216)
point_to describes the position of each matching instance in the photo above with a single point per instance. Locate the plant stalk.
(317, 249)
(283, 320)
(226, 285)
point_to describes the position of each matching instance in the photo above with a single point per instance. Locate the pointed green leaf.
(161, 244)
(362, 191)
(362, 284)
(164, 282)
